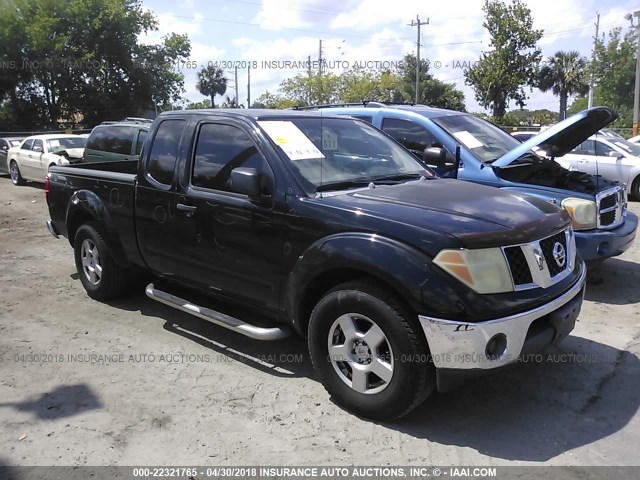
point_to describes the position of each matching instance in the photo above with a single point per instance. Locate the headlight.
(583, 213)
(484, 270)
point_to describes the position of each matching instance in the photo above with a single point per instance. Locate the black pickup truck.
(400, 280)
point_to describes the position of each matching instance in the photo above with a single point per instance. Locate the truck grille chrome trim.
(611, 207)
(543, 262)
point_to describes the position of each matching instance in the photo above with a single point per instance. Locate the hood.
(478, 216)
(564, 136)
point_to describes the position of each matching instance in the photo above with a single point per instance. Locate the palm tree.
(564, 74)
(211, 82)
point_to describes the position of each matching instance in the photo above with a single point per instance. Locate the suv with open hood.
(460, 145)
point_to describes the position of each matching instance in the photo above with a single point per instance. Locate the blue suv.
(460, 145)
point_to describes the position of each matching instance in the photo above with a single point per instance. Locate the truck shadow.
(581, 393)
(64, 401)
(573, 395)
(284, 358)
(617, 282)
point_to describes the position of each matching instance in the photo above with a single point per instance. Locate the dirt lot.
(166, 388)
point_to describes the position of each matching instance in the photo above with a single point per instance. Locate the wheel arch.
(398, 268)
(85, 207)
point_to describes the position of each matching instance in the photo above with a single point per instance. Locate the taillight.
(47, 187)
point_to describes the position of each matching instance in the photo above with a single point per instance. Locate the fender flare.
(401, 267)
(85, 206)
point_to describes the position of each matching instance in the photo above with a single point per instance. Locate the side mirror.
(37, 149)
(435, 156)
(615, 154)
(246, 181)
(4, 147)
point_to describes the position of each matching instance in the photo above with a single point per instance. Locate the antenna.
(321, 150)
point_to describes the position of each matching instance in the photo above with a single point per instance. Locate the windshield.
(341, 153)
(483, 139)
(63, 143)
(628, 147)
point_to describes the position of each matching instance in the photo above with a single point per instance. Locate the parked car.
(116, 140)
(35, 155)
(5, 145)
(612, 157)
(401, 281)
(490, 156)
(635, 140)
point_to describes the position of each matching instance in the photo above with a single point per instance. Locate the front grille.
(612, 208)
(608, 202)
(534, 264)
(547, 245)
(607, 218)
(518, 265)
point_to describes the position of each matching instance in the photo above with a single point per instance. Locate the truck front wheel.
(100, 275)
(368, 351)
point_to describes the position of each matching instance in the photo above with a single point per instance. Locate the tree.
(83, 62)
(614, 72)
(564, 74)
(206, 103)
(433, 92)
(359, 84)
(502, 73)
(274, 101)
(211, 82)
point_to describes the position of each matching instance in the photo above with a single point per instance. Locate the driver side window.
(220, 149)
(413, 136)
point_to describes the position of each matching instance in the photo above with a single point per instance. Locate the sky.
(267, 33)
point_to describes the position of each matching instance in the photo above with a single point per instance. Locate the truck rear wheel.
(368, 351)
(100, 275)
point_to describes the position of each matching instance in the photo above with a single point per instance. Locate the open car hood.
(564, 136)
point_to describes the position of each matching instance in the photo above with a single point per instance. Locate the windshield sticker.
(329, 140)
(295, 144)
(54, 143)
(467, 139)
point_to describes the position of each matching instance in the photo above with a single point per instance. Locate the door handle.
(188, 210)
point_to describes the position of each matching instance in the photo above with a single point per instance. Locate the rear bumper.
(602, 244)
(456, 345)
(52, 229)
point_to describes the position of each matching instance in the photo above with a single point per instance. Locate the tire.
(346, 317)
(101, 276)
(14, 172)
(635, 188)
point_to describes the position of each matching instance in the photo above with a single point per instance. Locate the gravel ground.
(134, 382)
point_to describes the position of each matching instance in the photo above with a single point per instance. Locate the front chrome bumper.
(463, 345)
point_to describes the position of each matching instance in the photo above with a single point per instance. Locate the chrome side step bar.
(218, 318)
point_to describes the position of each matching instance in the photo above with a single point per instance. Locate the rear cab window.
(163, 156)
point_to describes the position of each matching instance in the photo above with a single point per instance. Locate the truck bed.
(101, 186)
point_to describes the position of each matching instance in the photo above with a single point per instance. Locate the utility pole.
(320, 58)
(636, 92)
(249, 86)
(593, 60)
(236, 80)
(418, 23)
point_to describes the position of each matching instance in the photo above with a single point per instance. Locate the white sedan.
(612, 157)
(32, 158)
